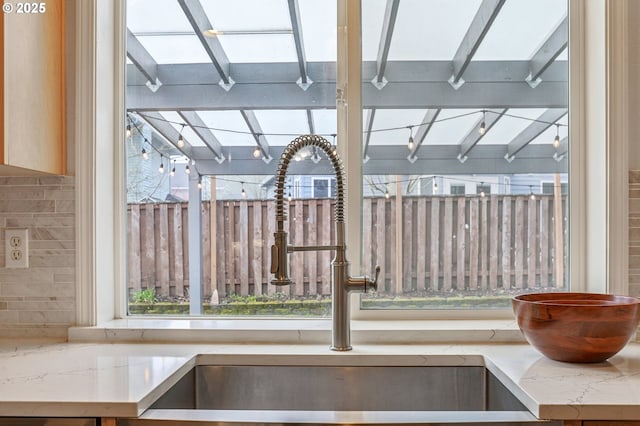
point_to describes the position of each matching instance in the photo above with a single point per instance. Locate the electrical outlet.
(16, 248)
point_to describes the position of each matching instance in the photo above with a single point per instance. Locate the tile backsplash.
(39, 301)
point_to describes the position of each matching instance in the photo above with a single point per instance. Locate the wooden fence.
(436, 244)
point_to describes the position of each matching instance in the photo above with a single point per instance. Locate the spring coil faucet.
(341, 283)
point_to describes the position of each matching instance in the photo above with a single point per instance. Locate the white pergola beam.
(482, 21)
(533, 130)
(198, 19)
(388, 23)
(548, 52)
(193, 120)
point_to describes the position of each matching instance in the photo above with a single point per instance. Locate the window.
(323, 187)
(483, 189)
(469, 119)
(99, 194)
(457, 189)
(549, 187)
(446, 131)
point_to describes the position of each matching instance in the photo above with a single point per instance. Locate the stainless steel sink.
(262, 394)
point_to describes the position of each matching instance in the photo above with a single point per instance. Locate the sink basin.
(272, 394)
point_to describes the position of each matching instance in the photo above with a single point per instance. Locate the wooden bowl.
(577, 327)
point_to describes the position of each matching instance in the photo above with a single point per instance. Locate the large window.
(465, 126)
(475, 94)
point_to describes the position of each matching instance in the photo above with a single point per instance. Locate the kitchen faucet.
(341, 283)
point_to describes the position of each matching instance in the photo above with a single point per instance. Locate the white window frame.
(597, 114)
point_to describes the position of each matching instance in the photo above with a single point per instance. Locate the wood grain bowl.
(577, 327)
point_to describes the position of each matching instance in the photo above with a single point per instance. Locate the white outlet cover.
(16, 248)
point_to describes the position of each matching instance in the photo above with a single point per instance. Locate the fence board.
(407, 245)
(434, 266)
(312, 239)
(447, 255)
(162, 247)
(519, 246)
(133, 248)
(494, 226)
(506, 243)
(381, 243)
(325, 256)
(421, 246)
(229, 232)
(178, 255)
(147, 246)
(474, 243)
(206, 250)
(532, 246)
(461, 243)
(544, 242)
(243, 246)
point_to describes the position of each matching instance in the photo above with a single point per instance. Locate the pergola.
(226, 96)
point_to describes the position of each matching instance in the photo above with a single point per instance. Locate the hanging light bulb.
(173, 169)
(483, 126)
(145, 154)
(199, 182)
(532, 196)
(187, 170)
(180, 138)
(128, 132)
(386, 193)
(410, 144)
(243, 192)
(334, 146)
(257, 153)
(161, 168)
(289, 197)
(435, 185)
(556, 140)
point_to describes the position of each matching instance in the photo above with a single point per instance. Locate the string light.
(199, 182)
(173, 169)
(483, 126)
(243, 192)
(187, 170)
(128, 132)
(482, 194)
(410, 144)
(385, 129)
(435, 185)
(180, 138)
(386, 193)
(532, 196)
(334, 145)
(257, 153)
(161, 168)
(289, 197)
(145, 154)
(556, 140)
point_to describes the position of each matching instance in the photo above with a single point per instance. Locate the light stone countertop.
(124, 379)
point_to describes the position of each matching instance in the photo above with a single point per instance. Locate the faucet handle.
(363, 283)
(374, 284)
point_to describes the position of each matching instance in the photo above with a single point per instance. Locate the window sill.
(297, 331)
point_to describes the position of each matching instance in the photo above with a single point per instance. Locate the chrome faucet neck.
(341, 283)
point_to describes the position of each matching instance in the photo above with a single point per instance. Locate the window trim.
(596, 95)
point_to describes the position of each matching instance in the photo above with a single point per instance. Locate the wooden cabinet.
(33, 108)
